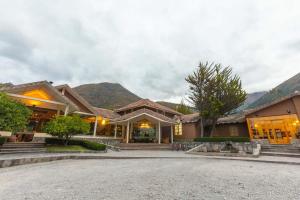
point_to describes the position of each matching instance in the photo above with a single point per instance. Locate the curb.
(32, 160)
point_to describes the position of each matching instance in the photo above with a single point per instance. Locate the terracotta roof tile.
(106, 113)
(147, 103)
(144, 111)
(191, 118)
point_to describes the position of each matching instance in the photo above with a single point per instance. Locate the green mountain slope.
(106, 95)
(287, 87)
(251, 98)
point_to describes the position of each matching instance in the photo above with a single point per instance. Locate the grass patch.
(70, 148)
(84, 143)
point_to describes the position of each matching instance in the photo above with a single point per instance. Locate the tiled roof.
(231, 119)
(23, 87)
(109, 114)
(147, 103)
(235, 118)
(191, 118)
(250, 111)
(146, 112)
(77, 96)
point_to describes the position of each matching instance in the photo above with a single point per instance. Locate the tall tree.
(183, 108)
(214, 91)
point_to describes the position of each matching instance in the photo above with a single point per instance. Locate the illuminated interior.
(178, 129)
(40, 94)
(144, 124)
(277, 129)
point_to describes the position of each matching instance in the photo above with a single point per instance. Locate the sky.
(148, 46)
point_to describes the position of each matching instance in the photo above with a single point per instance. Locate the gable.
(281, 108)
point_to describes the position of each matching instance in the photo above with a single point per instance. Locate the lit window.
(178, 129)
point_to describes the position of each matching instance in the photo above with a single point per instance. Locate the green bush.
(93, 145)
(14, 116)
(64, 127)
(222, 139)
(87, 144)
(2, 140)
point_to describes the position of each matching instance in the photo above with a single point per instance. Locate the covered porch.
(144, 127)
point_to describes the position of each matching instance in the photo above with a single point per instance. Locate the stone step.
(21, 149)
(283, 154)
(145, 146)
(21, 152)
(22, 145)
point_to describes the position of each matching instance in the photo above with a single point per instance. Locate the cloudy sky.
(149, 46)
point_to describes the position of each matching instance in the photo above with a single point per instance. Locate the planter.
(12, 138)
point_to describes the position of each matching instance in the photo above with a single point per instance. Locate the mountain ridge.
(285, 88)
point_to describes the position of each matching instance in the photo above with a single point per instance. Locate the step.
(294, 155)
(21, 149)
(21, 152)
(139, 146)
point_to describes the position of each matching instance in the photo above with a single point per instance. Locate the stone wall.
(246, 147)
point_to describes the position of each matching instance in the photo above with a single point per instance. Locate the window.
(178, 129)
(233, 130)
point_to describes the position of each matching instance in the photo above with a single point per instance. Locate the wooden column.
(95, 126)
(159, 132)
(66, 110)
(127, 133)
(116, 128)
(172, 134)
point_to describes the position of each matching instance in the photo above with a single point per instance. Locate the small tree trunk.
(202, 130)
(66, 140)
(213, 127)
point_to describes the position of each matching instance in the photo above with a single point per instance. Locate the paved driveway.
(150, 179)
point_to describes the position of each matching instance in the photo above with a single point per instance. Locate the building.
(141, 121)
(148, 121)
(273, 123)
(277, 122)
(47, 101)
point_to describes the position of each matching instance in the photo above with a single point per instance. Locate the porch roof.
(141, 112)
(17, 92)
(150, 104)
(79, 99)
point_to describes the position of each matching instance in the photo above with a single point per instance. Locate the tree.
(183, 108)
(14, 116)
(215, 92)
(65, 127)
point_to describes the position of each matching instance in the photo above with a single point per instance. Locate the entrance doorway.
(277, 129)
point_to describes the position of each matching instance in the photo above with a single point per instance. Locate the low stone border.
(32, 160)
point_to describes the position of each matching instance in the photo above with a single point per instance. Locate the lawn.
(70, 148)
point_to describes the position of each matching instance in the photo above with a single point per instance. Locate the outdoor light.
(103, 122)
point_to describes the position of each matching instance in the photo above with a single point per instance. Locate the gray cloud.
(148, 46)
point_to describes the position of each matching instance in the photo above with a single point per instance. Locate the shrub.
(87, 144)
(93, 145)
(14, 116)
(2, 140)
(64, 127)
(222, 139)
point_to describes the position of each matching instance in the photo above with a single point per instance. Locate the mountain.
(168, 104)
(106, 95)
(287, 87)
(251, 98)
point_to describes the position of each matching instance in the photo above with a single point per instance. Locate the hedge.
(222, 139)
(2, 140)
(87, 144)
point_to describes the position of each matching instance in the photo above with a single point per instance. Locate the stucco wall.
(282, 108)
(224, 130)
(189, 131)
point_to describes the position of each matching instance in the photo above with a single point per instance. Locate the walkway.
(143, 155)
